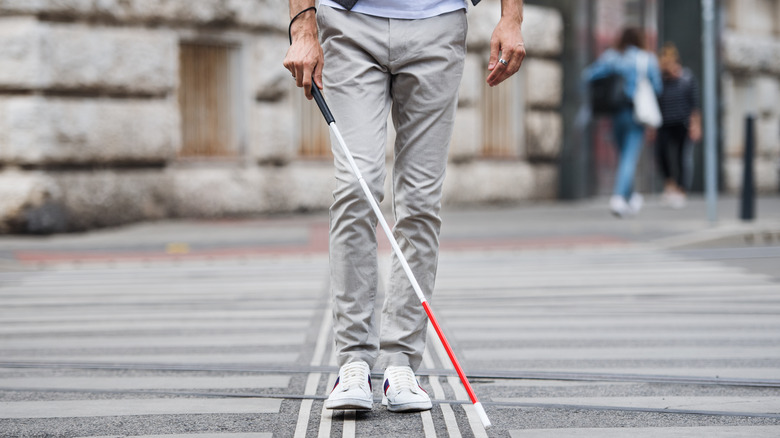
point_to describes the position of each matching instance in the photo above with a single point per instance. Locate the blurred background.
(116, 111)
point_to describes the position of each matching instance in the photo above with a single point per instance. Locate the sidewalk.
(528, 226)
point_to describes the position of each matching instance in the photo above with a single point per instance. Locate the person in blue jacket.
(628, 133)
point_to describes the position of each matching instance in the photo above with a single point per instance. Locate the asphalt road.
(568, 322)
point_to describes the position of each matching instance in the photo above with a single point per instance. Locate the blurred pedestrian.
(681, 127)
(624, 62)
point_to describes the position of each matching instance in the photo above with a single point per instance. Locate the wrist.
(511, 10)
(303, 23)
(303, 29)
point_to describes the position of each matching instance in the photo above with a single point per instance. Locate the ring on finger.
(504, 61)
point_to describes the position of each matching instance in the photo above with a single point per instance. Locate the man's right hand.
(304, 57)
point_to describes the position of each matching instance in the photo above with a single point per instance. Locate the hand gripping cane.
(374, 206)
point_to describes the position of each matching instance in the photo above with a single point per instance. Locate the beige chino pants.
(374, 65)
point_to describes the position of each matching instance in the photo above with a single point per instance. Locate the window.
(314, 139)
(207, 100)
(502, 119)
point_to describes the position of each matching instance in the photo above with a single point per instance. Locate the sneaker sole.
(410, 407)
(350, 403)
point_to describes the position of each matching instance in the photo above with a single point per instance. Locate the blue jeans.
(629, 139)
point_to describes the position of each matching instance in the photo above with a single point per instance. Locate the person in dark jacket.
(681, 126)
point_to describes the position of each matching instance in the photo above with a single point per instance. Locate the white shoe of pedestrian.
(618, 206)
(677, 201)
(353, 388)
(403, 392)
(636, 202)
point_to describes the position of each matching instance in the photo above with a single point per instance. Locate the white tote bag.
(646, 110)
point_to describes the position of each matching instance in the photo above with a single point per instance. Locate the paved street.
(569, 323)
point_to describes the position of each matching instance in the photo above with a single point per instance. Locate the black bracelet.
(289, 29)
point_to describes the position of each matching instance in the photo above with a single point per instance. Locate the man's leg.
(427, 59)
(356, 88)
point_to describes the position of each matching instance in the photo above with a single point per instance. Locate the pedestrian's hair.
(669, 52)
(631, 36)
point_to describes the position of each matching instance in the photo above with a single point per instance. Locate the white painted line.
(636, 333)
(303, 418)
(668, 353)
(450, 422)
(429, 429)
(133, 315)
(736, 405)
(471, 413)
(326, 416)
(125, 407)
(196, 435)
(707, 373)
(26, 328)
(506, 317)
(349, 424)
(249, 359)
(153, 341)
(155, 382)
(313, 380)
(460, 391)
(653, 432)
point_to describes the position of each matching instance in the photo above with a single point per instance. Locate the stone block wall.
(531, 171)
(90, 126)
(751, 85)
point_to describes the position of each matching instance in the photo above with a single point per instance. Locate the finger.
(496, 75)
(289, 66)
(495, 47)
(318, 76)
(518, 57)
(306, 83)
(308, 73)
(298, 75)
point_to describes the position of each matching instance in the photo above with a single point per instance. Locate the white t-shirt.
(406, 9)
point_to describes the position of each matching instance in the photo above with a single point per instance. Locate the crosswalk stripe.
(733, 405)
(155, 341)
(195, 435)
(653, 432)
(95, 313)
(22, 330)
(313, 379)
(626, 352)
(148, 382)
(183, 358)
(678, 336)
(123, 407)
(450, 422)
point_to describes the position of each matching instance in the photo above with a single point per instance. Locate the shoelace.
(353, 375)
(402, 378)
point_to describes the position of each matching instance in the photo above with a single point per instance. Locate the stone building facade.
(751, 85)
(114, 111)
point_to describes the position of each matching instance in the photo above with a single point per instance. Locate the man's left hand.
(506, 42)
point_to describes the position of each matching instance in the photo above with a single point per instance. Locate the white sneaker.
(403, 392)
(353, 388)
(636, 202)
(618, 206)
(675, 200)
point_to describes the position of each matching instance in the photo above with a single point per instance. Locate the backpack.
(607, 94)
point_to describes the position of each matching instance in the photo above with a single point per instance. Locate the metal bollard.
(747, 206)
